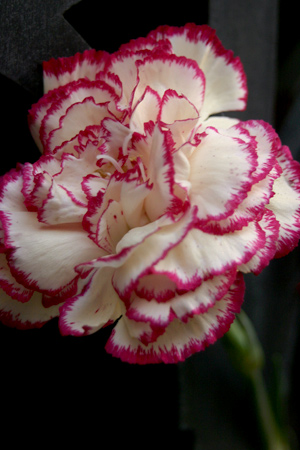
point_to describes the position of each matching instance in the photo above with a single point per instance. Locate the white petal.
(176, 107)
(145, 110)
(160, 172)
(251, 208)
(97, 305)
(77, 118)
(266, 144)
(43, 257)
(286, 206)
(11, 185)
(261, 259)
(132, 199)
(123, 66)
(58, 72)
(158, 287)
(74, 169)
(166, 72)
(153, 245)
(201, 255)
(180, 339)
(60, 207)
(111, 227)
(220, 122)
(31, 314)
(10, 285)
(75, 93)
(181, 305)
(220, 173)
(226, 88)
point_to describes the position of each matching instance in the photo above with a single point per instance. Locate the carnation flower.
(146, 207)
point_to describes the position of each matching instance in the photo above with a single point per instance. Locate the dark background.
(67, 391)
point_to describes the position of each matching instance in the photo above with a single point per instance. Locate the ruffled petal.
(60, 207)
(31, 314)
(9, 285)
(176, 107)
(59, 104)
(78, 116)
(263, 256)
(146, 110)
(160, 174)
(286, 202)
(111, 227)
(144, 44)
(37, 112)
(180, 340)
(123, 68)
(11, 185)
(60, 71)
(140, 249)
(202, 255)
(96, 306)
(220, 173)
(155, 286)
(37, 180)
(155, 240)
(267, 142)
(166, 72)
(250, 209)
(179, 115)
(226, 88)
(218, 122)
(144, 332)
(74, 169)
(166, 305)
(132, 198)
(43, 257)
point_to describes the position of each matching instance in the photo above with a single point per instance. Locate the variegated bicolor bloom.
(146, 207)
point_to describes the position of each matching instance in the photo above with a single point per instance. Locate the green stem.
(247, 356)
(274, 438)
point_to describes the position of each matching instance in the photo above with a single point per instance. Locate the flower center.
(111, 160)
(110, 164)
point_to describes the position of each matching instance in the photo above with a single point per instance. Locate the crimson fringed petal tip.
(145, 208)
